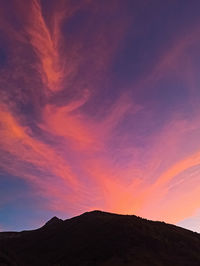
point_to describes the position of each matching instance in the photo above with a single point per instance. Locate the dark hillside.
(99, 238)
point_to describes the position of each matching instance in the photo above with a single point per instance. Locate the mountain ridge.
(101, 238)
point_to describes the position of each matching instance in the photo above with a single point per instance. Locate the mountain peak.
(94, 212)
(99, 212)
(53, 221)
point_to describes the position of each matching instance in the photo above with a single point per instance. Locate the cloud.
(45, 44)
(78, 139)
(191, 223)
(43, 130)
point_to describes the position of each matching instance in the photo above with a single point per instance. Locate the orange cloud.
(17, 141)
(46, 45)
(73, 162)
(49, 166)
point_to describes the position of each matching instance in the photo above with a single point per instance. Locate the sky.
(99, 109)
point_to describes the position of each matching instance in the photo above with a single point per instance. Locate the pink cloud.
(82, 160)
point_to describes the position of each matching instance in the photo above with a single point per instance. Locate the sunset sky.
(99, 109)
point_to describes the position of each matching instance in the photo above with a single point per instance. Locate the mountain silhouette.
(99, 238)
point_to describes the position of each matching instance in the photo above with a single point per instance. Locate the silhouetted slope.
(99, 238)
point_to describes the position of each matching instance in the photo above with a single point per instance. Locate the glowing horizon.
(99, 109)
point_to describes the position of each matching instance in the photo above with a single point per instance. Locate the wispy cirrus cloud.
(80, 139)
(38, 145)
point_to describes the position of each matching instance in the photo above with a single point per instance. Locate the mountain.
(99, 238)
